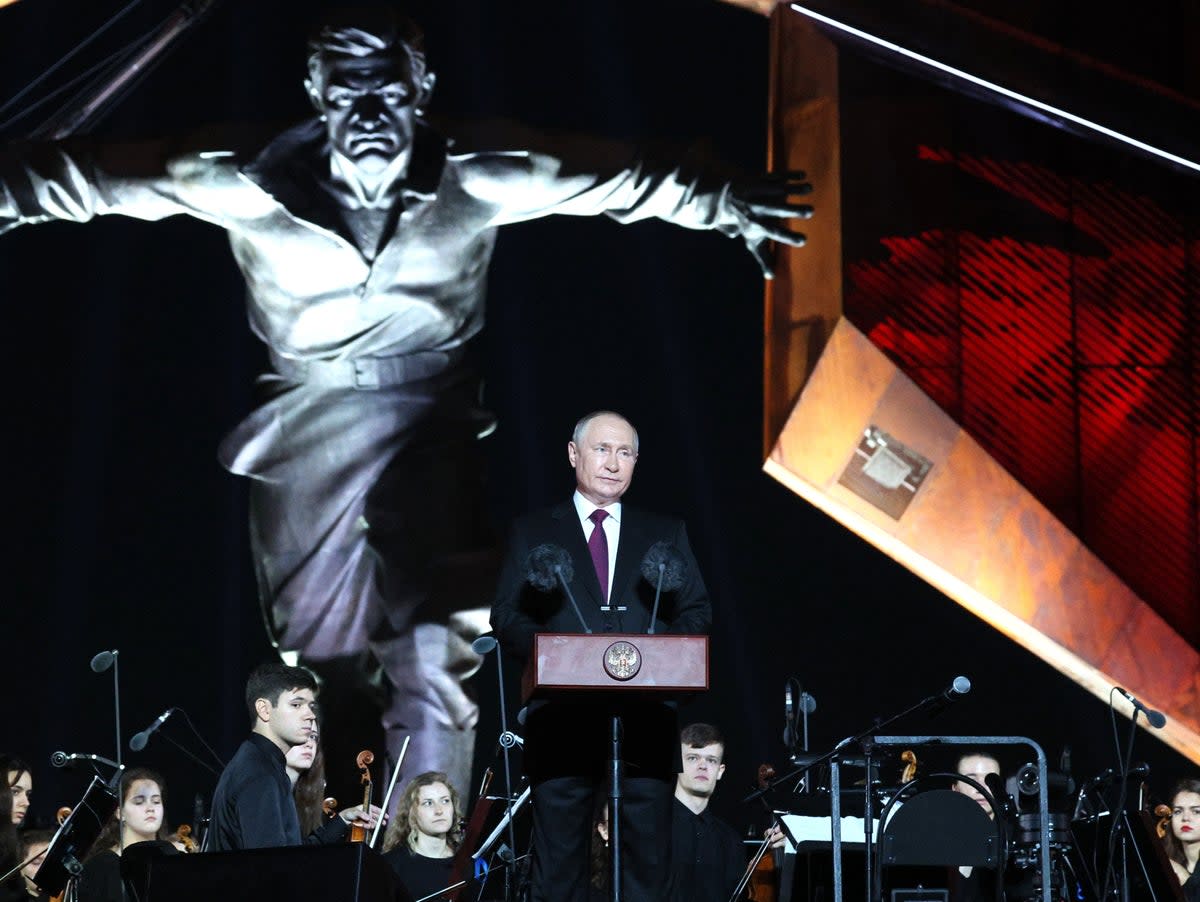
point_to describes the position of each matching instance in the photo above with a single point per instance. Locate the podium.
(347, 872)
(574, 666)
(565, 664)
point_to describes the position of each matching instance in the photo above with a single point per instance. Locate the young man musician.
(707, 856)
(253, 806)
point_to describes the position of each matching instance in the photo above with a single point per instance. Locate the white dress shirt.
(612, 530)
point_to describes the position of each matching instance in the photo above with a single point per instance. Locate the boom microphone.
(948, 696)
(548, 566)
(1156, 719)
(103, 660)
(139, 740)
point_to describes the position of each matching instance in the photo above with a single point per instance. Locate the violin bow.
(388, 795)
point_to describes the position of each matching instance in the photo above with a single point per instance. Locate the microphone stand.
(562, 581)
(836, 751)
(1119, 829)
(805, 698)
(662, 570)
(508, 739)
(101, 662)
(832, 758)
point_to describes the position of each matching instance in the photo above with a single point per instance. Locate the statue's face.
(369, 105)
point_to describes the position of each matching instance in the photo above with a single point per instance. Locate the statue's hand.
(760, 206)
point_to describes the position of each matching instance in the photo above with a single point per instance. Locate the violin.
(909, 757)
(184, 835)
(358, 832)
(1163, 813)
(764, 875)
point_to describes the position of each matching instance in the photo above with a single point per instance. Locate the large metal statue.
(365, 246)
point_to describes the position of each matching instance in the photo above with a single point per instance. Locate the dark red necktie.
(598, 546)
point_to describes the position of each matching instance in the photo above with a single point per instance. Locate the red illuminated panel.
(1072, 370)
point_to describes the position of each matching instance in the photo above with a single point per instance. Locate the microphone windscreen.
(1156, 719)
(483, 644)
(664, 558)
(101, 661)
(961, 685)
(543, 565)
(138, 742)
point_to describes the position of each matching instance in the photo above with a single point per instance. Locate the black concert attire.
(253, 806)
(109, 877)
(1191, 889)
(13, 889)
(567, 744)
(421, 875)
(100, 880)
(707, 856)
(333, 831)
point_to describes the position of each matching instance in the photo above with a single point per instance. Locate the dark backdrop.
(127, 357)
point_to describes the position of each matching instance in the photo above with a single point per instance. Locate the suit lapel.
(570, 533)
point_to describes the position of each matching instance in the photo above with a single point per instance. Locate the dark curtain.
(127, 358)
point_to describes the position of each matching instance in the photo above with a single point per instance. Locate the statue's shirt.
(312, 293)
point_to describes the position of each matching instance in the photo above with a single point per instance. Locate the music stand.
(1147, 874)
(64, 856)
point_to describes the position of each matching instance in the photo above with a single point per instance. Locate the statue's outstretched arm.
(528, 185)
(42, 182)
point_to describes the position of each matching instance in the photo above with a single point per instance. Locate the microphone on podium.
(664, 568)
(549, 566)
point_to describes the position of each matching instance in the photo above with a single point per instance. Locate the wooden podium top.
(564, 663)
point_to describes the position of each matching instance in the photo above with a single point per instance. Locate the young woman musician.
(423, 836)
(34, 843)
(12, 889)
(1183, 837)
(141, 818)
(19, 779)
(306, 770)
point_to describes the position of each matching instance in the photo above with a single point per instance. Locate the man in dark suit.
(566, 745)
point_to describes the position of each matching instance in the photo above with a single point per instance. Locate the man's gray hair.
(582, 425)
(370, 32)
